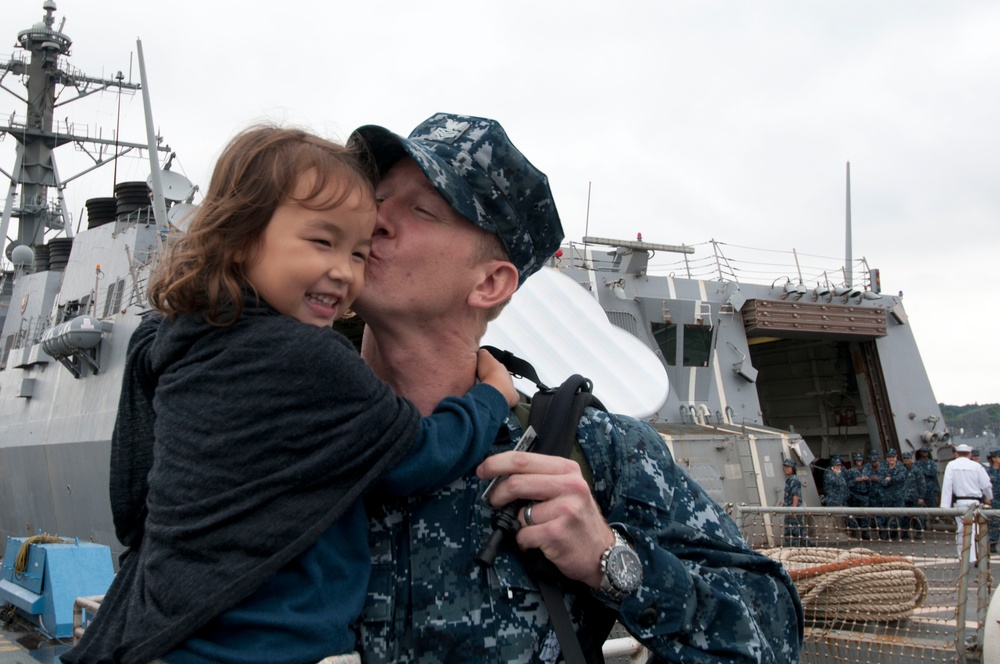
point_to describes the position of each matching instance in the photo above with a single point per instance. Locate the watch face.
(624, 569)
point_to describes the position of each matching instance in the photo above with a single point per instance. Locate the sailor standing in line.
(875, 497)
(913, 496)
(857, 496)
(835, 486)
(993, 471)
(892, 480)
(965, 484)
(795, 524)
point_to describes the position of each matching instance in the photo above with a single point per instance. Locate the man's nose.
(384, 218)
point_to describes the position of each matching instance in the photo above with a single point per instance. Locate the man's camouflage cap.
(788, 462)
(907, 455)
(858, 456)
(487, 180)
(835, 460)
(890, 453)
(873, 456)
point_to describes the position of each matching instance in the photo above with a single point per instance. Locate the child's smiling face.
(310, 264)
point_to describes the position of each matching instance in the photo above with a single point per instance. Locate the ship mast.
(848, 258)
(37, 135)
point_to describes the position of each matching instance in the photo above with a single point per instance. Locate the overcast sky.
(686, 121)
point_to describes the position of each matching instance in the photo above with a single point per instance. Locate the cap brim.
(387, 148)
(384, 147)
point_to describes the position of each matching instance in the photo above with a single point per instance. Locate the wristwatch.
(621, 569)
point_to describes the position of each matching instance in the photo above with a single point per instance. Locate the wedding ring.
(527, 514)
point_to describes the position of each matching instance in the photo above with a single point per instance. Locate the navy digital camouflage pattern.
(705, 596)
(857, 496)
(795, 526)
(891, 482)
(834, 487)
(872, 469)
(932, 490)
(913, 493)
(487, 180)
(994, 474)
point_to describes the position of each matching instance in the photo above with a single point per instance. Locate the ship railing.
(883, 584)
(30, 333)
(59, 127)
(719, 261)
(10, 61)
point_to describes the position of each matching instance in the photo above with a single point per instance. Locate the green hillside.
(974, 419)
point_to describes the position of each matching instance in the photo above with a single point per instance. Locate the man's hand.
(491, 372)
(566, 523)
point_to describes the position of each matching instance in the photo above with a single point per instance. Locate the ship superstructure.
(69, 299)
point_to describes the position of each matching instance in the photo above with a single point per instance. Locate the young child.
(248, 429)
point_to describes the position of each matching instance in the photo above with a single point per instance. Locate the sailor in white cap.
(965, 484)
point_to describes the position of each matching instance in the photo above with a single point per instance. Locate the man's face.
(891, 461)
(907, 462)
(423, 252)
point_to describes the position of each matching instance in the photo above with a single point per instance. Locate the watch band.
(625, 556)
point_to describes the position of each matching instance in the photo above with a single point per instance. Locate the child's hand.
(491, 372)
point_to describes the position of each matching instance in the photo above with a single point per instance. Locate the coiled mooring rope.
(21, 562)
(853, 584)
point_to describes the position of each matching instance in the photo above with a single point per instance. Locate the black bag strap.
(555, 415)
(515, 365)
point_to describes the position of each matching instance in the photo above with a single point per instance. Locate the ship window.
(697, 344)
(666, 339)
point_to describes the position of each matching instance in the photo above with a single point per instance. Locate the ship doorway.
(830, 392)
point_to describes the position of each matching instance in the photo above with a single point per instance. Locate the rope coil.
(853, 584)
(21, 561)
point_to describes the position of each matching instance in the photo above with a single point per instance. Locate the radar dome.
(22, 255)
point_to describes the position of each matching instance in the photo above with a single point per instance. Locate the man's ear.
(496, 284)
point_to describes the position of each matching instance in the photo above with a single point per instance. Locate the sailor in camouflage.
(929, 467)
(872, 470)
(913, 496)
(857, 495)
(835, 484)
(891, 481)
(993, 471)
(795, 524)
(705, 596)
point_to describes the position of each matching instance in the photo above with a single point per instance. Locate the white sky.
(689, 121)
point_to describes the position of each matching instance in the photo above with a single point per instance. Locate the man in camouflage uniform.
(795, 524)
(872, 470)
(929, 468)
(891, 481)
(463, 218)
(857, 495)
(993, 471)
(913, 496)
(835, 486)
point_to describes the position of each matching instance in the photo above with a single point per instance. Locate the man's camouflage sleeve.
(705, 596)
